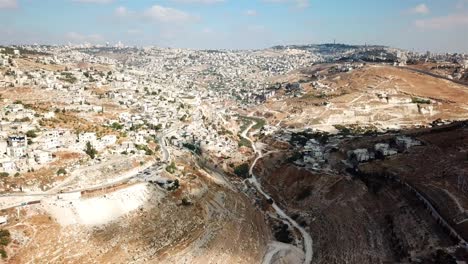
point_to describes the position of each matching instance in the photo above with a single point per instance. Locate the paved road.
(162, 141)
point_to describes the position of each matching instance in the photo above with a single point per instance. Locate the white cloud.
(121, 11)
(250, 12)
(8, 4)
(420, 9)
(81, 38)
(443, 22)
(94, 1)
(205, 2)
(207, 30)
(162, 14)
(301, 4)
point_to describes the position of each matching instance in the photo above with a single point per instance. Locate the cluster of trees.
(242, 170)
(195, 148)
(171, 168)
(116, 126)
(31, 134)
(244, 143)
(5, 239)
(147, 150)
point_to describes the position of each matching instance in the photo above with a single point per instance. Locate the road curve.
(308, 243)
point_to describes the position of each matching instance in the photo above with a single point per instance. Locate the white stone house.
(7, 165)
(87, 137)
(17, 146)
(42, 157)
(50, 140)
(109, 140)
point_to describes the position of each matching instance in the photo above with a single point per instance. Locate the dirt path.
(308, 243)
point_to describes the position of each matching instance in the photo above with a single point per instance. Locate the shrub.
(418, 100)
(90, 150)
(31, 134)
(171, 168)
(174, 186)
(116, 126)
(4, 237)
(295, 156)
(242, 170)
(195, 148)
(61, 171)
(243, 142)
(147, 150)
(186, 201)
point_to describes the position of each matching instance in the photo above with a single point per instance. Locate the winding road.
(308, 243)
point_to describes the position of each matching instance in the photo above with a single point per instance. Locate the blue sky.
(435, 25)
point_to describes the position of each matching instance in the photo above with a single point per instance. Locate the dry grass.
(29, 64)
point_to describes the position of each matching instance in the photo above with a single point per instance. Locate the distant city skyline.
(432, 25)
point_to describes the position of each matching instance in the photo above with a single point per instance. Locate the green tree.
(90, 150)
(116, 126)
(4, 237)
(31, 134)
(242, 170)
(171, 168)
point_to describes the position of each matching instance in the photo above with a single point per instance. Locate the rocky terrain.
(408, 206)
(374, 96)
(201, 222)
(298, 154)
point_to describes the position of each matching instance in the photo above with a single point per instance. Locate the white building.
(51, 139)
(87, 137)
(49, 115)
(109, 140)
(42, 157)
(7, 165)
(17, 146)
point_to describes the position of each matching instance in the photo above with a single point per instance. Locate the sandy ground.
(70, 209)
(355, 98)
(142, 224)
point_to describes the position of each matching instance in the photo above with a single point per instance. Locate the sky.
(428, 25)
